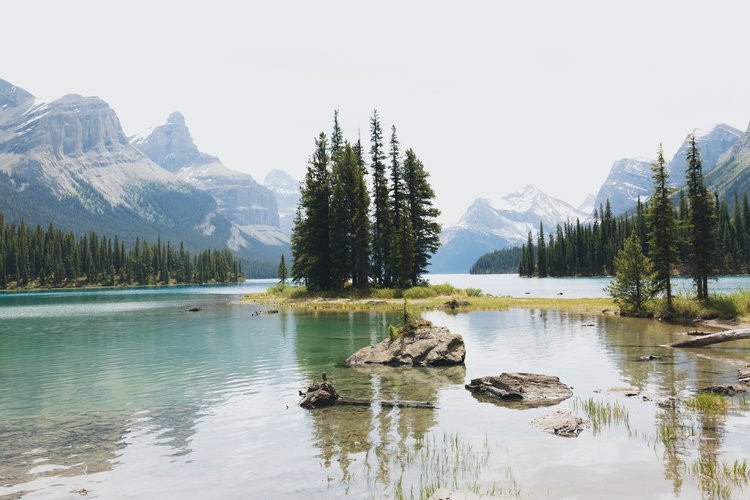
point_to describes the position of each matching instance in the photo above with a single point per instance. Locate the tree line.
(576, 249)
(345, 233)
(49, 257)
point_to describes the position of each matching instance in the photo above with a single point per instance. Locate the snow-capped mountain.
(588, 204)
(287, 193)
(712, 144)
(69, 163)
(628, 179)
(488, 226)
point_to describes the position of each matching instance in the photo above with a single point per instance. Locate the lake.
(125, 394)
(574, 288)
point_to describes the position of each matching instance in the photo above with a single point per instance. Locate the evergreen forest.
(48, 257)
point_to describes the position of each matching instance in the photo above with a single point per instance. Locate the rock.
(627, 391)
(427, 346)
(744, 375)
(726, 389)
(193, 309)
(455, 304)
(650, 357)
(318, 395)
(560, 423)
(528, 388)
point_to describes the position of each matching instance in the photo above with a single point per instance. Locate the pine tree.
(282, 272)
(701, 236)
(360, 224)
(541, 254)
(337, 138)
(420, 209)
(342, 208)
(382, 225)
(311, 233)
(663, 231)
(529, 255)
(403, 255)
(632, 285)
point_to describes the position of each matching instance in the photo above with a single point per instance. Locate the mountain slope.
(628, 179)
(69, 163)
(731, 175)
(287, 193)
(488, 226)
(240, 198)
(712, 144)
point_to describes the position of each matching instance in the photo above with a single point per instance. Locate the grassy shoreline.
(732, 309)
(419, 298)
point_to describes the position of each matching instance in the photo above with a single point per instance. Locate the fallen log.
(398, 403)
(713, 338)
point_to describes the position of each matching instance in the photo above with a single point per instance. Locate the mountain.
(240, 198)
(69, 163)
(488, 226)
(588, 204)
(286, 189)
(628, 179)
(731, 175)
(712, 144)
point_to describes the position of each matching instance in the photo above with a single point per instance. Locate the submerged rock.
(560, 423)
(726, 389)
(744, 375)
(528, 388)
(193, 309)
(427, 346)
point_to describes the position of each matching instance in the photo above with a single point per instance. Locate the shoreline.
(110, 287)
(598, 306)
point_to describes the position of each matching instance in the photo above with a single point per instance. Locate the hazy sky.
(491, 95)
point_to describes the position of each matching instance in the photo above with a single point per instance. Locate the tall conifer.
(663, 231)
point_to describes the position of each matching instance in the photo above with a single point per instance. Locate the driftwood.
(399, 403)
(324, 394)
(713, 338)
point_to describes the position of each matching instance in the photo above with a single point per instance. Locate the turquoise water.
(125, 394)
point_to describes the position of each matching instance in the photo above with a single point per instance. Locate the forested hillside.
(49, 257)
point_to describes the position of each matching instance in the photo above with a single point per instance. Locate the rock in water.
(427, 346)
(318, 395)
(726, 389)
(527, 388)
(744, 375)
(560, 423)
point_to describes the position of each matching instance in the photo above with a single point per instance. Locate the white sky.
(491, 95)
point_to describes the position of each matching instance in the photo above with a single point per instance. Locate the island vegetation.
(51, 258)
(339, 240)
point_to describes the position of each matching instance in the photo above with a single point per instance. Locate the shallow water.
(125, 394)
(576, 288)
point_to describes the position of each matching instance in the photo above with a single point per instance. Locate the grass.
(423, 297)
(707, 403)
(449, 461)
(718, 479)
(726, 306)
(602, 414)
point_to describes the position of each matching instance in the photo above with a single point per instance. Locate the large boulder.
(427, 346)
(528, 389)
(560, 423)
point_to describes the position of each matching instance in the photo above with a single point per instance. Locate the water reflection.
(158, 402)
